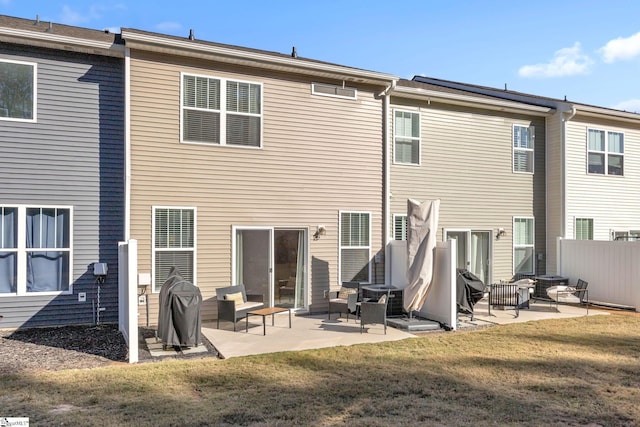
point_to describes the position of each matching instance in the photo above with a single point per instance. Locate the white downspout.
(573, 112)
(386, 177)
(127, 144)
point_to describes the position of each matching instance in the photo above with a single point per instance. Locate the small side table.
(264, 312)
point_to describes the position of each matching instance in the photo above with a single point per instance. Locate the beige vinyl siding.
(320, 155)
(554, 189)
(466, 161)
(612, 201)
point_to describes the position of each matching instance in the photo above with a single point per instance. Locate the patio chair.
(345, 300)
(234, 303)
(582, 292)
(505, 295)
(570, 294)
(374, 312)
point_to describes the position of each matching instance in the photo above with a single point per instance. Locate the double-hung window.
(406, 137)
(399, 227)
(355, 247)
(35, 250)
(605, 152)
(523, 148)
(523, 245)
(17, 90)
(221, 112)
(174, 243)
(584, 229)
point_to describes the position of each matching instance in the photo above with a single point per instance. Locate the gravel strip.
(71, 347)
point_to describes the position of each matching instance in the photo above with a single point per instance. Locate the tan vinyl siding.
(612, 201)
(320, 155)
(554, 189)
(466, 161)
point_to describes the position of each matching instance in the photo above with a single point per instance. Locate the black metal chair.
(504, 295)
(374, 312)
(582, 292)
(345, 300)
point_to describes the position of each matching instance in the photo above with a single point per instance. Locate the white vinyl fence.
(440, 304)
(128, 295)
(612, 269)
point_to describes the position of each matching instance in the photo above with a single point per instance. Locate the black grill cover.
(179, 312)
(470, 290)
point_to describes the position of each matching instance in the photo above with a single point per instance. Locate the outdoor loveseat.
(234, 303)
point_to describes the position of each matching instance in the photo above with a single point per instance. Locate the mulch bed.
(71, 347)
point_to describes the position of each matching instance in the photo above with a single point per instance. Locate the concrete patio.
(316, 331)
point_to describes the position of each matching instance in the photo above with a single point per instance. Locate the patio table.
(264, 312)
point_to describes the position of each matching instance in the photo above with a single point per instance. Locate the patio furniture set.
(369, 304)
(518, 294)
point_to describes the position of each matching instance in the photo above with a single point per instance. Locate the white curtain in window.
(596, 140)
(8, 259)
(47, 269)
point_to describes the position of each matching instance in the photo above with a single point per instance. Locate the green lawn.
(582, 371)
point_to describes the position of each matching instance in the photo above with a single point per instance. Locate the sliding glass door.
(473, 251)
(272, 262)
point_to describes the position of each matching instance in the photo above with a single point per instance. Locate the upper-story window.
(17, 90)
(523, 151)
(221, 111)
(406, 137)
(605, 152)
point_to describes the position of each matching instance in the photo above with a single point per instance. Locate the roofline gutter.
(60, 42)
(466, 100)
(618, 115)
(189, 48)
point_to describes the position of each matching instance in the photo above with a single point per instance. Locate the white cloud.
(568, 61)
(621, 49)
(72, 17)
(169, 26)
(632, 105)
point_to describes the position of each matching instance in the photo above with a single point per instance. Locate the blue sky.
(588, 51)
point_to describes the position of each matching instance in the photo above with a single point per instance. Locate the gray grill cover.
(470, 290)
(179, 314)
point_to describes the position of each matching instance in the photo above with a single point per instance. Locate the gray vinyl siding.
(612, 201)
(72, 156)
(555, 170)
(319, 155)
(466, 162)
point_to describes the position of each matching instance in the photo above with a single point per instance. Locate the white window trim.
(514, 246)
(21, 250)
(394, 226)
(340, 247)
(352, 98)
(531, 150)
(419, 139)
(154, 249)
(575, 226)
(35, 92)
(223, 112)
(626, 231)
(606, 152)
